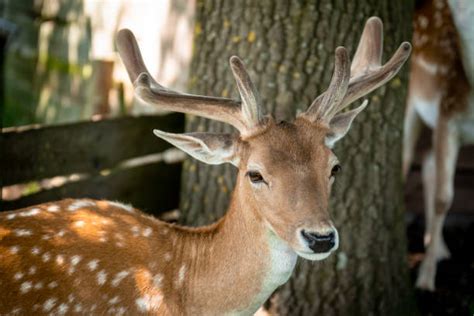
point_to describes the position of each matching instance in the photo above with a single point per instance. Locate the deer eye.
(335, 169)
(255, 177)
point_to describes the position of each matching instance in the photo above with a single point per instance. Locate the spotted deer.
(441, 97)
(99, 257)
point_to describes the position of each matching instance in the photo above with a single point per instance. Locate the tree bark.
(289, 51)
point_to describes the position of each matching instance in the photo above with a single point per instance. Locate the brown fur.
(436, 41)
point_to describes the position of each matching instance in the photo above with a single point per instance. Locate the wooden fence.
(97, 153)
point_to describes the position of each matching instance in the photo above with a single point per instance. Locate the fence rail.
(96, 150)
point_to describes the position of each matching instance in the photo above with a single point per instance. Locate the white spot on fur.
(11, 216)
(157, 280)
(46, 257)
(93, 264)
(32, 212)
(53, 208)
(71, 298)
(147, 232)
(105, 221)
(62, 309)
(119, 277)
(26, 287)
(35, 250)
(71, 270)
(149, 302)
(424, 39)
(114, 300)
(181, 274)
(60, 259)
(141, 304)
(49, 304)
(18, 276)
(423, 21)
(135, 230)
(79, 204)
(75, 259)
(168, 257)
(125, 207)
(23, 232)
(119, 244)
(38, 286)
(14, 249)
(101, 277)
(61, 233)
(52, 284)
(78, 308)
(79, 223)
(32, 270)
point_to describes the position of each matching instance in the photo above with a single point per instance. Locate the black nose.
(319, 242)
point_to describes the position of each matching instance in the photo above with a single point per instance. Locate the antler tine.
(366, 83)
(148, 90)
(324, 106)
(251, 107)
(369, 50)
(366, 73)
(132, 58)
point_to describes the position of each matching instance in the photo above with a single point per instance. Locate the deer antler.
(242, 115)
(366, 73)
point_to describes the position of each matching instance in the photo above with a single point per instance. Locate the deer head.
(286, 169)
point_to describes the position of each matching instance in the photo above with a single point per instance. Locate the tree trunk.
(48, 70)
(289, 52)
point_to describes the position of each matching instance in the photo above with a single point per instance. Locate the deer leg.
(411, 132)
(429, 190)
(445, 155)
(447, 148)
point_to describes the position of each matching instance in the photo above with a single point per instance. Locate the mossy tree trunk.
(289, 51)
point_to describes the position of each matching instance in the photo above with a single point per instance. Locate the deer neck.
(245, 262)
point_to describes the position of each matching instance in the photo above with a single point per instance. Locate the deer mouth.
(314, 256)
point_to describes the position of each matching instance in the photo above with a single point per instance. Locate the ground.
(454, 293)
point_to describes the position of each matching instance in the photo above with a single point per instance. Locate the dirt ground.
(454, 293)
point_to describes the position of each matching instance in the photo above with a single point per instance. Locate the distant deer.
(441, 97)
(98, 257)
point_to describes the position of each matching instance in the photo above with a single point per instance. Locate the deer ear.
(341, 123)
(210, 148)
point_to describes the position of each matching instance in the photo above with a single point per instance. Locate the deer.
(441, 98)
(104, 257)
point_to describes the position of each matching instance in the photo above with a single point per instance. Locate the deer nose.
(318, 242)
